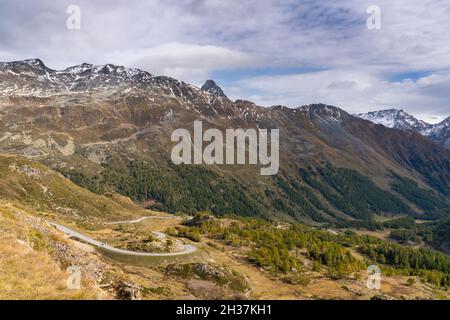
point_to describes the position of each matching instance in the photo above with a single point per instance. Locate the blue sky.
(289, 52)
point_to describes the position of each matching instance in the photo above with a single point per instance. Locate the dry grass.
(27, 271)
(38, 187)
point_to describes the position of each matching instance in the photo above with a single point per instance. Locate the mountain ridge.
(108, 133)
(399, 119)
(212, 87)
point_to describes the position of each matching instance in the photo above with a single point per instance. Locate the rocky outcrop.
(211, 87)
(127, 291)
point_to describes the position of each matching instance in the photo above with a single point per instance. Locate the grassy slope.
(34, 185)
(28, 270)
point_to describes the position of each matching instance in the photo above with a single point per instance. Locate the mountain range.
(108, 128)
(399, 119)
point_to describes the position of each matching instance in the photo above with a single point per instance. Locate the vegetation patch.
(220, 275)
(282, 251)
(433, 205)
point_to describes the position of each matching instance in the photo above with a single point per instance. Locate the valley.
(224, 269)
(86, 180)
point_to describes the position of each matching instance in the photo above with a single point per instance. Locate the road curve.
(72, 233)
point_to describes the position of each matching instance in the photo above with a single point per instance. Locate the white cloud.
(188, 62)
(191, 39)
(355, 91)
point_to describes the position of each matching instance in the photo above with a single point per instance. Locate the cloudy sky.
(288, 52)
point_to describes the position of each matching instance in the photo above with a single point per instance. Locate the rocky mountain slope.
(36, 258)
(32, 184)
(399, 119)
(108, 128)
(35, 255)
(440, 133)
(211, 87)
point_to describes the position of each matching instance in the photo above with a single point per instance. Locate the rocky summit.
(399, 119)
(211, 87)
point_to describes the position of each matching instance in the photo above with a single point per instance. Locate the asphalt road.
(72, 233)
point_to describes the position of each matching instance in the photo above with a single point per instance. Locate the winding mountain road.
(72, 233)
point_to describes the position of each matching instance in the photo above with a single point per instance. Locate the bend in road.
(72, 233)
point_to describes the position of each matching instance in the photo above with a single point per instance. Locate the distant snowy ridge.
(399, 119)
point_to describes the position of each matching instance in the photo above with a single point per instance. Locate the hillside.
(108, 129)
(237, 257)
(32, 185)
(28, 270)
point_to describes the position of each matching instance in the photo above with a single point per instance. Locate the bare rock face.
(208, 270)
(381, 297)
(440, 133)
(127, 291)
(31, 172)
(44, 81)
(211, 87)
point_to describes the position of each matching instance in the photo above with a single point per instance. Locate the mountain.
(34, 185)
(399, 119)
(211, 87)
(108, 128)
(395, 118)
(440, 133)
(38, 259)
(33, 77)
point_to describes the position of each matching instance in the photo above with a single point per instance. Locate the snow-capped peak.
(399, 119)
(395, 118)
(35, 63)
(211, 87)
(33, 77)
